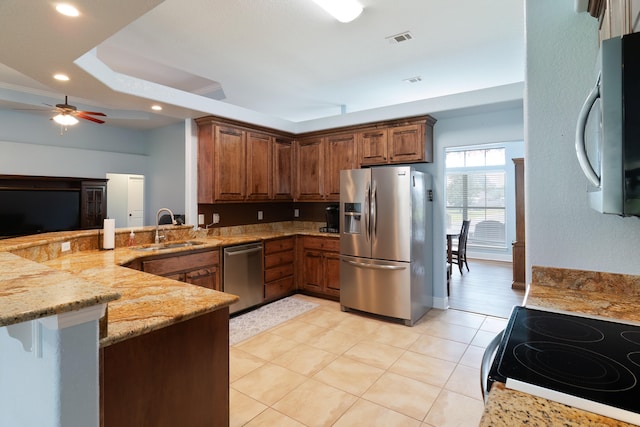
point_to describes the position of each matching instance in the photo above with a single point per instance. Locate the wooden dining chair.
(459, 256)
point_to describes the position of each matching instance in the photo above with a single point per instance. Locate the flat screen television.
(25, 211)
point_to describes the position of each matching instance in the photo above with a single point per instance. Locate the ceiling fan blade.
(93, 113)
(83, 116)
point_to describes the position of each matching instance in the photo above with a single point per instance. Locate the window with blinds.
(475, 182)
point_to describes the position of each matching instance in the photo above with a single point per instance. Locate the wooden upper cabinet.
(259, 159)
(340, 155)
(407, 144)
(310, 169)
(241, 162)
(205, 164)
(398, 143)
(617, 17)
(282, 169)
(229, 163)
(372, 147)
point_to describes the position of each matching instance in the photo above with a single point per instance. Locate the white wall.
(59, 386)
(453, 131)
(31, 145)
(562, 231)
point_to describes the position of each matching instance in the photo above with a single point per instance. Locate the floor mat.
(252, 323)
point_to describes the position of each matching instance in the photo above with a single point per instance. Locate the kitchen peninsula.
(163, 343)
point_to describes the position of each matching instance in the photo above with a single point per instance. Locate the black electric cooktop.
(589, 363)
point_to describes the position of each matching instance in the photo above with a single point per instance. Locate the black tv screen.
(25, 212)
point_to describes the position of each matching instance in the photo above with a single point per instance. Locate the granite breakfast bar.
(164, 355)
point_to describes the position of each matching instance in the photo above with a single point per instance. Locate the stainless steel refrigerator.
(386, 242)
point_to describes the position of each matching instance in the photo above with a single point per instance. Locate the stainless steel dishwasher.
(242, 275)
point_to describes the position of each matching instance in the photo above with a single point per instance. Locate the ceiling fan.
(67, 114)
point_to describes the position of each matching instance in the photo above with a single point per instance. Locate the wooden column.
(518, 246)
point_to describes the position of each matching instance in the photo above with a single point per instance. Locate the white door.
(135, 201)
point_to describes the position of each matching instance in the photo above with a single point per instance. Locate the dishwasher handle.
(242, 251)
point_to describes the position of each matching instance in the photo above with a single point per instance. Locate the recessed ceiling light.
(61, 77)
(156, 107)
(342, 10)
(67, 9)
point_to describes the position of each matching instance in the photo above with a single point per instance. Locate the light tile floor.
(329, 368)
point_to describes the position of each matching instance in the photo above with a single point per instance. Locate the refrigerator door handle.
(374, 266)
(367, 202)
(374, 209)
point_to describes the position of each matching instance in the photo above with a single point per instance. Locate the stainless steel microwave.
(608, 129)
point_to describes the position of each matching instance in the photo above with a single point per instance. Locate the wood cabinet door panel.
(205, 164)
(312, 275)
(332, 273)
(259, 152)
(279, 258)
(229, 164)
(310, 167)
(278, 245)
(178, 263)
(340, 155)
(205, 277)
(279, 288)
(406, 143)
(276, 273)
(372, 147)
(282, 170)
(321, 243)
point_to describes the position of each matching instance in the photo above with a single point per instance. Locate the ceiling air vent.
(399, 38)
(415, 79)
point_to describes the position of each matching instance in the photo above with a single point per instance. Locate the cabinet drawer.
(278, 258)
(322, 243)
(278, 272)
(279, 288)
(173, 264)
(278, 245)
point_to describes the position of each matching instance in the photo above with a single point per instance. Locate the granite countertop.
(50, 281)
(29, 290)
(609, 295)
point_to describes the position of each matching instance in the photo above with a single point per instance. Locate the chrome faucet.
(173, 221)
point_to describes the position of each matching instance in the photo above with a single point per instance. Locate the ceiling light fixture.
(342, 10)
(61, 77)
(65, 119)
(67, 9)
(156, 107)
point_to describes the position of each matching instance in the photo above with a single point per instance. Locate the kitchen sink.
(168, 245)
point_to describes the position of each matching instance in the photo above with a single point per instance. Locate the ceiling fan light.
(65, 119)
(342, 10)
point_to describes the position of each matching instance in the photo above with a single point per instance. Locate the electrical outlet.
(259, 215)
(200, 219)
(296, 213)
(66, 246)
(216, 218)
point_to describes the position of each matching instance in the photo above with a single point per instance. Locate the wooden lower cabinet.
(174, 376)
(279, 259)
(199, 268)
(319, 268)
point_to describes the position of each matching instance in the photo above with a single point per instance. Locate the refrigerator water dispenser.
(352, 218)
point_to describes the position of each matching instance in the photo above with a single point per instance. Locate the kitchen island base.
(177, 375)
